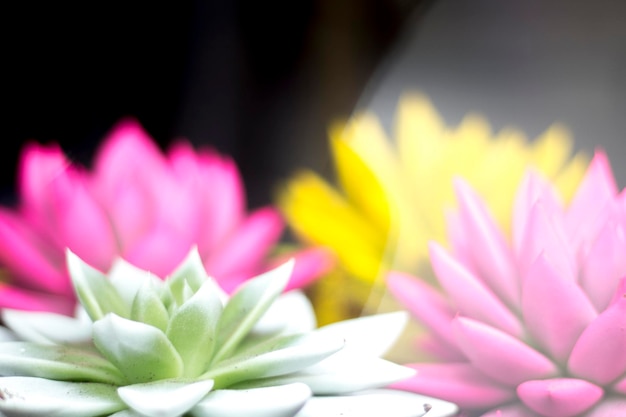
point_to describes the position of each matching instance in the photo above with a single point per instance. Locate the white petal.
(164, 398)
(34, 397)
(369, 335)
(41, 327)
(281, 401)
(377, 403)
(6, 335)
(291, 313)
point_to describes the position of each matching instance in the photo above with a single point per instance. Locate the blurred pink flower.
(139, 204)
(535, 327)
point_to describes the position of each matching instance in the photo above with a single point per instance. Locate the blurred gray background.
(523, 63)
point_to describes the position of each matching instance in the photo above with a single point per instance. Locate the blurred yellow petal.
(412, 181)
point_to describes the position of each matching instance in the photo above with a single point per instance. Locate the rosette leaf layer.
(534, 325)
(137, 203)
(391, 198)
(181, 347)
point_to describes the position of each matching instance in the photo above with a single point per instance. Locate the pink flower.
(535, 326)
(139, 204)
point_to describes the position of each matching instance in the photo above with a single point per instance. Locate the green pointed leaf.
(94, 290)
(56, 362)
(191, 271)
(247, 306)
(44, 327)
(192, 329)
(148, 308)
(140, 351)
(282, 355)
(37, 397)
(170, 398)
(283, 401)
(128, 279)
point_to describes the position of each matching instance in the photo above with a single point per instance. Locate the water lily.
(181, 347)
(148, 207)
(534, 325)
(391, 198)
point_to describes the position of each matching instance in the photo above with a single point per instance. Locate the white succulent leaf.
(166, 398)
(192, 330)
(377, 403)
(369, 335)
(94, 290)
(279, 401)
(42, 327)
(247, 305)
(142, 352)
(56, 362)
(291, 313)
(37, 397)
(7, 335)
(128, 279)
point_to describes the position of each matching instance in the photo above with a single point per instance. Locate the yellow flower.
(391, 200)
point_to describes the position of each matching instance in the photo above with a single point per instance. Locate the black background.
(260, 81)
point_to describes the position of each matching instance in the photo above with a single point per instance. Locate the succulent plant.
(181, 347)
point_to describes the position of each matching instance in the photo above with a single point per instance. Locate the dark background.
(260, 81)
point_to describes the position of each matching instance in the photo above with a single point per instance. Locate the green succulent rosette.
(148, 347)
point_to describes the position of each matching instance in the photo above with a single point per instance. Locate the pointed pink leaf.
(620, 386)
(459, 383)
(159, 251)
(605, 263)
(38, 166)
(83, 226)
(499, 355)
(31, 261)
(600, 353)
(597, 189)
(545, 233)
(471, 297)
(555, 310)
(424, 303)
(22, 299)
(559, 397)
(515, 410)
(245, 250)
(490, 252)
(533, 188)
(310, 264)
(610, 407)
(432, 346)
(131, 214)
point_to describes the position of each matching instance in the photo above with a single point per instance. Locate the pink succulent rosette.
(535, 326)
(137, 203)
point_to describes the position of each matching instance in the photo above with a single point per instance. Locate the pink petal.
(605, 263)
(610, 407)
(31, 261)
(555, 310)
(596, 190)
(131, 213)
(559, 397)
(160, 251)
(499, 355)
(82, 224)
(244, 251)
(620, 386)
(218, 190)
(126, 154)
(459, 383)
(20, 299)
(600, 353)
(38, 166)
(515, 410)
(545, 233)
(310, 265)
(490, 252)
(533, 188)
(432, 346)
(471, 297)
(426, 304)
